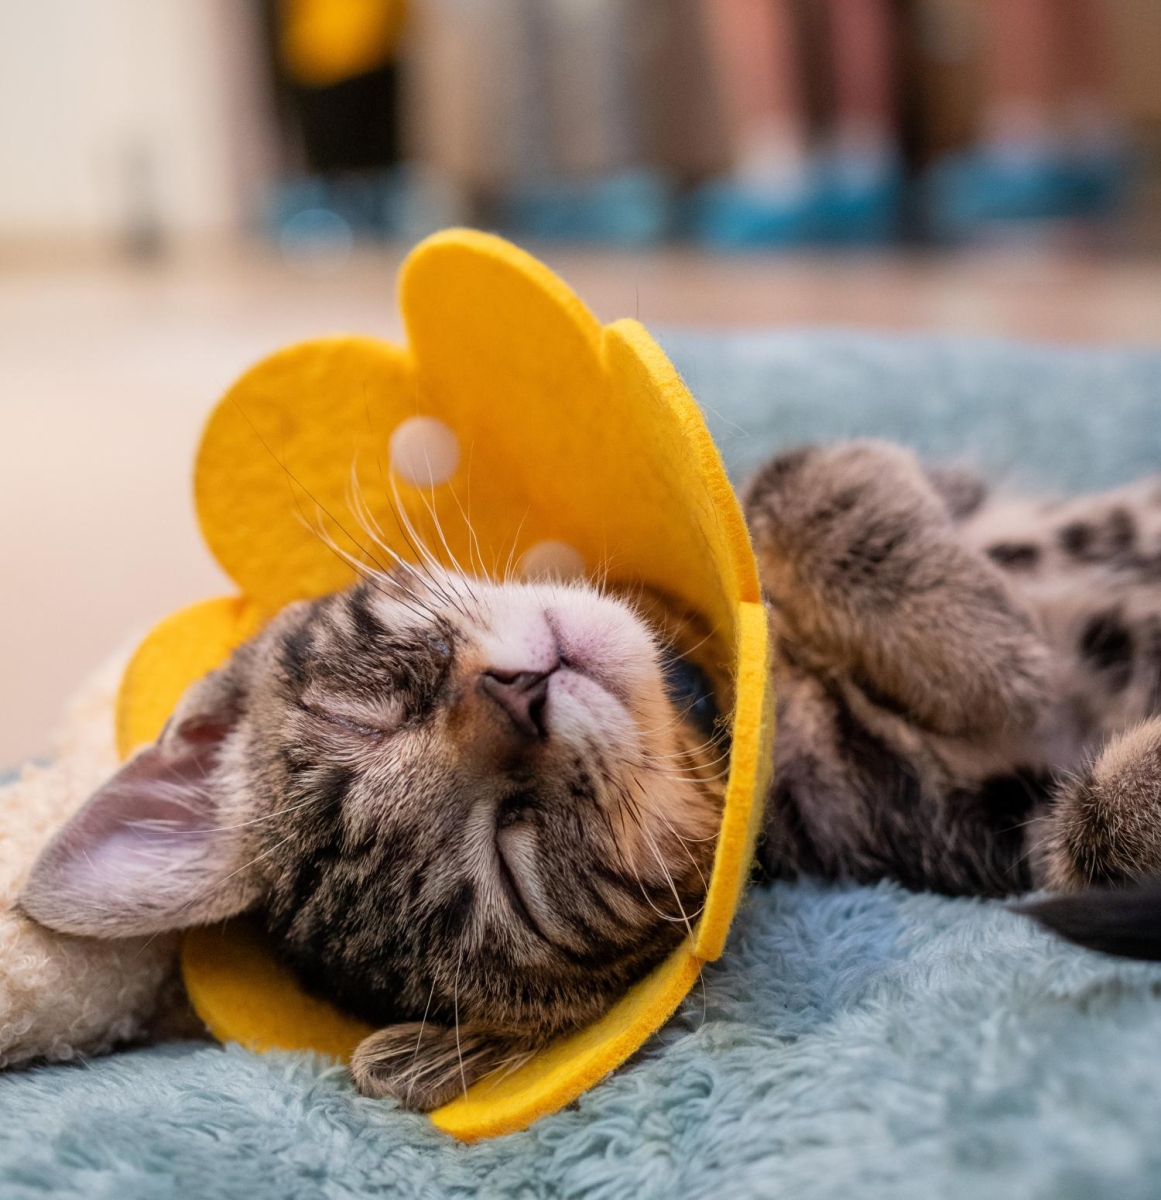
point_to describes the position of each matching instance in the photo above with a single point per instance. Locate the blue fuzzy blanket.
(853, 1042)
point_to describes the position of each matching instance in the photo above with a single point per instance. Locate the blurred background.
(186, 185)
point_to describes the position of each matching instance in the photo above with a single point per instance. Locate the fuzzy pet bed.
(853, 1042)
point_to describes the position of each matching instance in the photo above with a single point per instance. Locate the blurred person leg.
(336, 75)
(1015, 170)
(1040, 57)
(1021, 52)
(755, 51)
(864, 182)
(767, 197)
(600, 185)
(1096, 147)
(1049, 84)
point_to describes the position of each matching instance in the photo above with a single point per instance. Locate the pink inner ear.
(151, 810)
(145, 854)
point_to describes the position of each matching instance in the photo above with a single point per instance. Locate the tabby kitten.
(470, 813)
(474, 813)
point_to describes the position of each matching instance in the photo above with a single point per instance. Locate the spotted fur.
(970, 686)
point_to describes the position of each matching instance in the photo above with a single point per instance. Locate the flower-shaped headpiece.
(581, 447)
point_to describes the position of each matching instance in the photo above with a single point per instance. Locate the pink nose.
(521, 695)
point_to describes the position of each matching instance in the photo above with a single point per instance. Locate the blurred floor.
(107, 370)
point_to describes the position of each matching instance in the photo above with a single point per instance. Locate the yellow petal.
(558, 1075)
(273, 479)
(509, 358)
(244, 995)
(751, 764)
(663, 492)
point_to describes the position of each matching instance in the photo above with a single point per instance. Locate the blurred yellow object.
(322, 42)
(563, 439)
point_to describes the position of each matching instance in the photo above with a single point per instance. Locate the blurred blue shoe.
(401, 202)
(633, 208)
(729, 214)
(1035, 183)
(1099, 175)
(364, 203)
(859, 201)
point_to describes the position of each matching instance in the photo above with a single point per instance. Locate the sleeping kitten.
(475, 813)
(470, 813)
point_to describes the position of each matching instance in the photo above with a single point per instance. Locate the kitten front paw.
(424, 1066)
(868, 577)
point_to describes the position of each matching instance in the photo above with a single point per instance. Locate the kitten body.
(969, 686)
(475, 813)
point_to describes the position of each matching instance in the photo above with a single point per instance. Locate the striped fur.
(439, 868)
(423, 850)
(970, 687)
(475, 813)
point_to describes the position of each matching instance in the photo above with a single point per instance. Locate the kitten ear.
(147, 853)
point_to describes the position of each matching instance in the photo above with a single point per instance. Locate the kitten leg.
(867, 576)
(423, 1065)
(862, 794)
(1105, 826)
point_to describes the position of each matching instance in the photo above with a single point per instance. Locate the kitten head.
(487, 808)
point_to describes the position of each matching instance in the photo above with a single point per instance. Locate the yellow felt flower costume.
(568, 443)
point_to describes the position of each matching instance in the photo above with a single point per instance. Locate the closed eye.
(343, 721)
(440, 643)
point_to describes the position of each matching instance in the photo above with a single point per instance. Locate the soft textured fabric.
(560, 436)
(1037, 417)
(59, 993)
(851, 1042)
